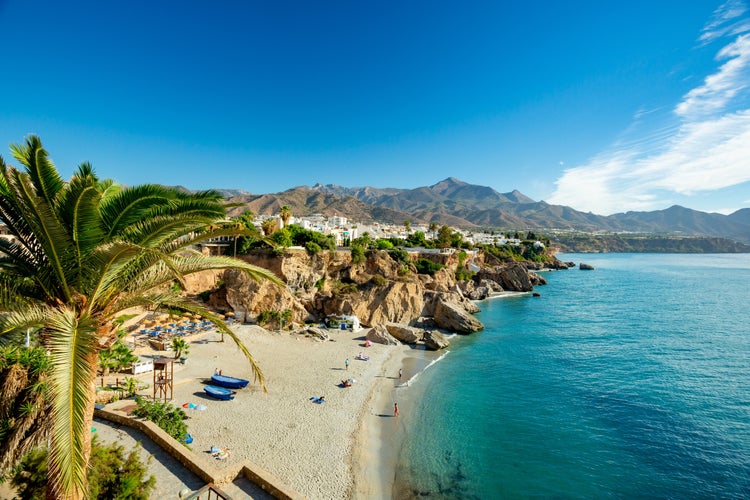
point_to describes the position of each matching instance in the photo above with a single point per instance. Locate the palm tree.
(285, 213)
(269, 226)
(433, 228)
(82, 252)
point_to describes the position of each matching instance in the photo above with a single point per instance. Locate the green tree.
(282, 237)
(82, 252)
(407, 226)
(445, 236)
(417, 239)
(247, 233)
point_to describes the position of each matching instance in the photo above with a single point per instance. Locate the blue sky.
(602, 106)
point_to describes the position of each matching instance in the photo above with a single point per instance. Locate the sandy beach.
(317, 449)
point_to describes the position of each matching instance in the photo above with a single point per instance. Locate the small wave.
(416, 375)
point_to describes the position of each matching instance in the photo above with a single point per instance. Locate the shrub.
(168, 417)
(399, 255)
(312, 247)
(426, 266)
(383, 244)
(379, 280)
(358, 254)
(463, 274)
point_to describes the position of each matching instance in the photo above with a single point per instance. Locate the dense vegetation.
(167, 416)
(112, 475)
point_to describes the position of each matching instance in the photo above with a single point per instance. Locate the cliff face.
(378, 291)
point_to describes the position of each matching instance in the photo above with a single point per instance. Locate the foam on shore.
(381, 433)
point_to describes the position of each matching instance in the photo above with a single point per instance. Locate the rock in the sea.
(434, 340)
(511, 277)
(585, 267)
(406, 334)
(379, 335)
(452, 317)
(479, 290)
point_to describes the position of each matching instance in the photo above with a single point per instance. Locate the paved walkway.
(171, 476)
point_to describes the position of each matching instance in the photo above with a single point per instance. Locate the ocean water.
(629, 381)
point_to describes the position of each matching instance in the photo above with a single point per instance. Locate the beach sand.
(316, 449)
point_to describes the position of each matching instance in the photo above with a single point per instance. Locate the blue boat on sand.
(219, 392)
(231, 382)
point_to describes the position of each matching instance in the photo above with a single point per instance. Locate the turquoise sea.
(629, 381)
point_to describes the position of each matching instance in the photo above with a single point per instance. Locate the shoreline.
(380, 438)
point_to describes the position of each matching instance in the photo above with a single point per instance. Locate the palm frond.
(186, 305)
(199, 262)
(44, 176)
(72, 346)
(50, 234)
(197, 237)
(130, 206)
(13, 324)
(15, 292)
(78, 208)
(157, 231)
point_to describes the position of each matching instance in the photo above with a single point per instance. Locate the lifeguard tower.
(163, 379)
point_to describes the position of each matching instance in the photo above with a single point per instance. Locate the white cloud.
(706, 149)
(719, 88)
(722, 21)
(700, 157)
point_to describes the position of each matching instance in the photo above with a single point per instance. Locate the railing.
(208, 492)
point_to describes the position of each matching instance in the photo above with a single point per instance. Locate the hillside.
(459, 204)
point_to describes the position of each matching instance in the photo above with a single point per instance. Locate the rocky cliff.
(379, 290)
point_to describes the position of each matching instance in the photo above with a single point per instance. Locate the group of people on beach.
(349, 382)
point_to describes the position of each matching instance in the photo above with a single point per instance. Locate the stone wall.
(196, 464)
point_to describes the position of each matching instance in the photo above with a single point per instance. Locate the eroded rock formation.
(383, 293)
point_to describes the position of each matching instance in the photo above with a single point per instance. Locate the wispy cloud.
(719, 88)
(724, 21)
(707, 147)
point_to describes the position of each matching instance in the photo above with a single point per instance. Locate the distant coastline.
(641, 243)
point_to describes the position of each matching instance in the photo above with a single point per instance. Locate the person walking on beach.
(400, 372)
(346, 363)
(395, 409)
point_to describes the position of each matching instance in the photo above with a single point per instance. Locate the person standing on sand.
(395, 409)
(400, 372)
(346, 363)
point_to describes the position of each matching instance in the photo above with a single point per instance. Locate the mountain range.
(459, 204)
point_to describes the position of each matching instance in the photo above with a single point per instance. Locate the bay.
(629, 381)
